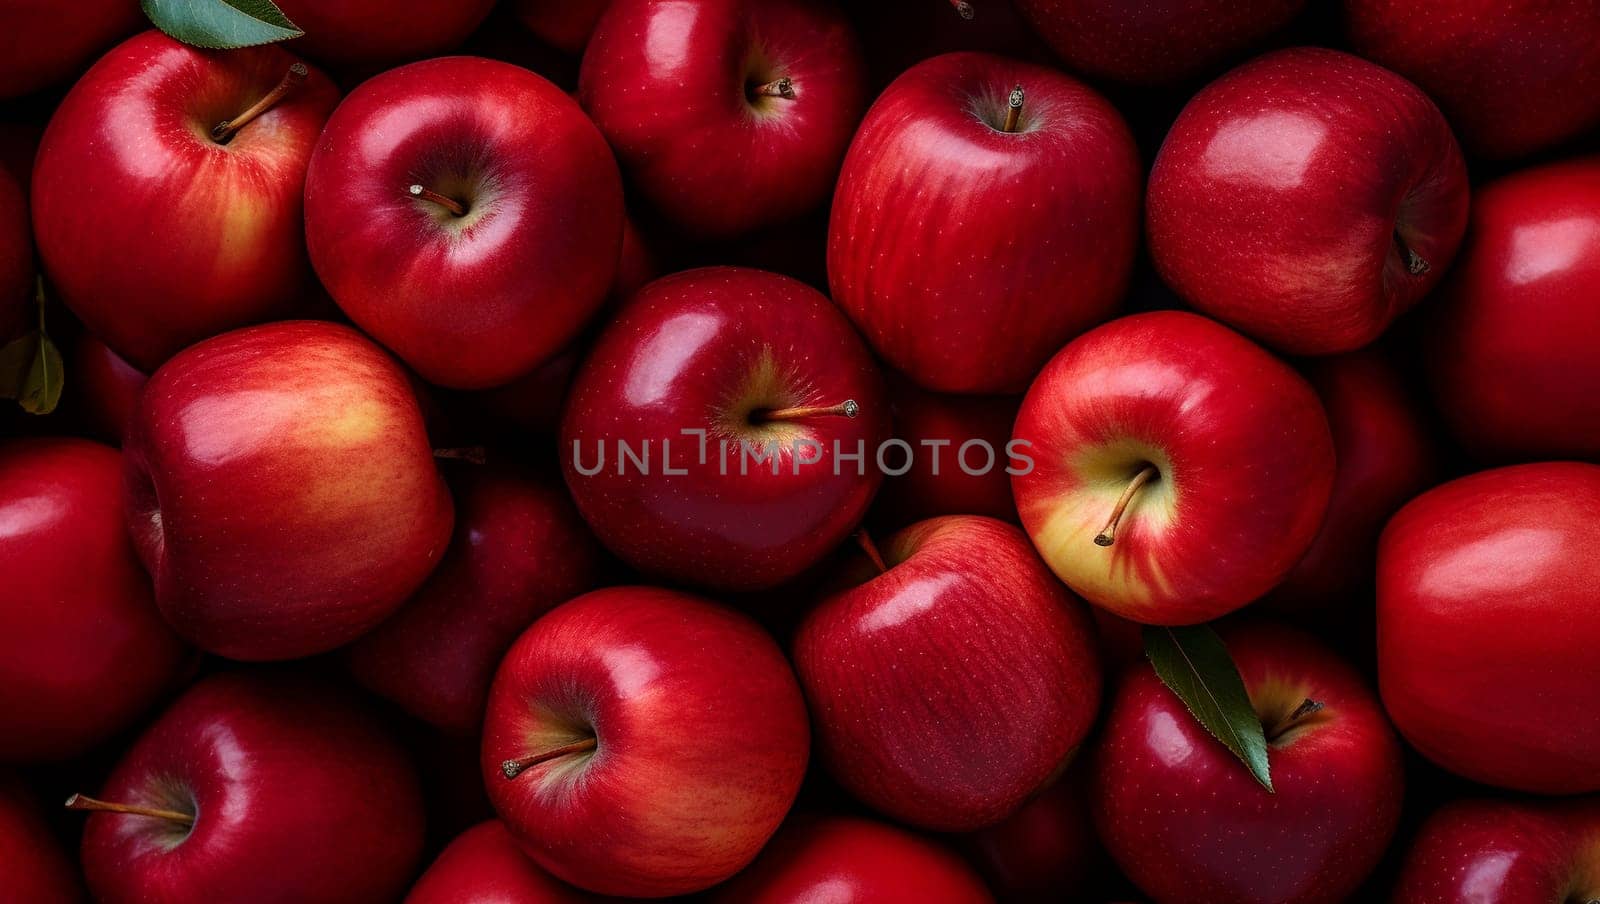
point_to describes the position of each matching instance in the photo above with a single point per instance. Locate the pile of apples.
(784, 451)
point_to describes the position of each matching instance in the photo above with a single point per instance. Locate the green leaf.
(1195, 665)
(42, 389)
(16, 357)
(221, 24)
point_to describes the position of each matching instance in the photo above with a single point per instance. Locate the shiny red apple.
(281, 490)
(45, 42)
(1488, 618)
(370, 34)
(483, 865)
(976, 227)
(726, 115)
(958, 449)
(1505, 852)
(33, 867)
(466, 214)
(1180, 470)
(724, 429)
(167, 192)
(644, 742)
(1307, 198)
(1187, 822)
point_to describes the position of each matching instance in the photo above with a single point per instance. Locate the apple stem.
(1415, 265)
(778, 87)
(1307, 708)
(1108, 534)
(428, 194)
(964, 8)
(847, 408)
(475, 454)
(223, 131)
(513, 768)
(864, 540)
(81, 802)
(1013, 110)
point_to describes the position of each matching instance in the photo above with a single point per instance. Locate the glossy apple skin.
(1244, 454)
(935, 424)
(1179, 812)
(155, 235)
(1513, 77)
(33, 867)
(563, 24)
(703, 350)
(1505, 852)
(106, 387)
(16, 257)
(1045, 849)
(519, 550)
(701, 736)
(667, 81)
(483, 865)
(1487, 625)
(848, 860)
(477, 300)
(1512, 339)
(968, 255)
(281, 490)
(1385, 457)
(369, 34)
(1276, 198)
(298, 792)
(1155, 42)
(948, 689)
(46, 42)
(83, 651)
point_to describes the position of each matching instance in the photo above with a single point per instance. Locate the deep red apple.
(256, 787)
(368, 34)
(105, 388)
(712, 434)
(167, 192)
(45, 41)
(1187, 822)
(976, 228)
(950, 679)
(563, 24)
(960, 450)
(1488, 619)
(483, 865)
(519, 550)
(1155, 42)
(848, 860)
(33, 867)
(1513, 76)
(465, 213)
(1307, 198)
(1505, 852)
(1180, 470)
(644, 742)
(1046, 849)
(83, 651)
(16, 257)
(281, 490)
(727, 115)
(1512, 340)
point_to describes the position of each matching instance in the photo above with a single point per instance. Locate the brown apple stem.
(1013, 110)
(1307, 708)
(80, 802)
(474, 454)
(428, 194)
(864, 540)
(513, 768)
(1415, 265)
(847, 408)
(1108, 534)
(964, 8)
(223, 131)
(778, 87)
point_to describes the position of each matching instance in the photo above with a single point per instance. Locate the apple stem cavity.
(1013, 110)
(448, 203)
(472, 454)
(864, 540)
(1306, 709)
(223, 132)
(847, 408)
(964, 9)
(513, 768)
(778, 87)
(1415, 265)
(1108, 534)
(81, 802)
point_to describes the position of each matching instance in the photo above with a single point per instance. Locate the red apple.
(1513, 339)
(1505, 852)
(466, 214)
(727, 115)
(255, 788)
(847, 860)
(83, 651)
(46, 41)
(1044, 850)
(968, 248)
(950, 679)
(563, 24)
(519, 550)
(644, 742)
(1488, 619)
(1307, 198)
(154, 232)
(483, 865)
(370, 34)
(1187, 822)
(281, 490)
(33, 867)
(104, 387)
(786, 396)
(16, 256)
(1513, 76)
(959, 455)
(1180, 470)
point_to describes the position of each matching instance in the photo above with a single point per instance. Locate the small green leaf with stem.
(221, 24)
(1193, 662)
